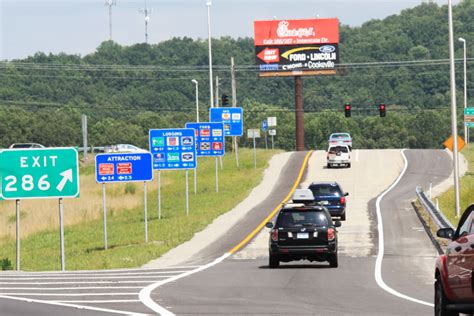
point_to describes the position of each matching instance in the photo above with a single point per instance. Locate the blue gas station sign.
(209, 138)
(123, 167)
(232, 118)
(173, 148)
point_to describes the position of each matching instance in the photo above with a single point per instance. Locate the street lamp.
(454, 128)
(211, 87)
(197, 99)
(466, 129)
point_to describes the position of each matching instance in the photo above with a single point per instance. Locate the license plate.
(302, 236)
(324, 202)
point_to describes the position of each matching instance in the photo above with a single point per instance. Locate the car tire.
(441, 301)
(333, 260)
(343, 217)
(328, 166)
(273, 262)
(348, 165)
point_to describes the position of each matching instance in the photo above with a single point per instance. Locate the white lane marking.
(68, 294)
(67, 275)
(71, 288)
(145, 294)
(98, 301)
(92, 277)
(378, 262)
(79, 282)
(105, 310)
(357, 155)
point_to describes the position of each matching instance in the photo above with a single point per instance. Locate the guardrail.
(437, 216)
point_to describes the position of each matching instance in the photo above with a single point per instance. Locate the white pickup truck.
(339, 155)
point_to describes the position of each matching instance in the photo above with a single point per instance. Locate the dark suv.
(303, 232)
(331, 196)
(454, 272)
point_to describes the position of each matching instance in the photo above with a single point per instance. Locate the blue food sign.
(232, 119)
(173, 148)
(126, 167)
(209, 138)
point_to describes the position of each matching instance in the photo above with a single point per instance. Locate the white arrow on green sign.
(39, 173)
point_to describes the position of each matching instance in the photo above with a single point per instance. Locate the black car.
(331, 196)
(303, 232)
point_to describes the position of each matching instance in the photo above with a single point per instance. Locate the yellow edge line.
(275, 210)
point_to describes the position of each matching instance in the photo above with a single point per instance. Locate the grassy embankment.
(446, 200)
(84, 243)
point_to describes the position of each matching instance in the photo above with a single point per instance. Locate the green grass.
(446, 200)
(84, 244)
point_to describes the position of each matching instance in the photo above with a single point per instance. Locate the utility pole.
(110, 3)
(234, 104)
(146, 11)
(211, 92)
(217, 92)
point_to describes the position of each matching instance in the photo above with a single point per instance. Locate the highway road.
(241, 283)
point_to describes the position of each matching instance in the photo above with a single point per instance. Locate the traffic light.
(225, 99)
(382, 110)
(347, 110)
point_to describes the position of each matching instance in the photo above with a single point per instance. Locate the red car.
(454, 285)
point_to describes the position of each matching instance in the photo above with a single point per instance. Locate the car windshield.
(325, 190)
(23, 146)
(292, 218)
(337, 149)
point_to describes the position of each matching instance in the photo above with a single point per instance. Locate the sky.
(79, 26)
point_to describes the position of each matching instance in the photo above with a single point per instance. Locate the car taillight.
(343, 200)
(331, 234)
(275, 235)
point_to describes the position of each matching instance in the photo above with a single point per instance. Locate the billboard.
(297, 47)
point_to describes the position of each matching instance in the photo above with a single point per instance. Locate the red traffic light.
(382, 110)
(347, 110)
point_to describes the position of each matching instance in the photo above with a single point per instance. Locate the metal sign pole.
(254, 154)
(187, 193)
(195, 180)
(159, 194)
(61, 233)
(146, 211)
(236, 152)
(273, 144)
(222, 164)
(105, 216)
(217, 175)
(17, 235)
(266, 143)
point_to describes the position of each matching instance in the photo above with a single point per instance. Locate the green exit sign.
(469, 111)
(39, 173)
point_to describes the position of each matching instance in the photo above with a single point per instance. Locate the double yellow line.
(276, 209)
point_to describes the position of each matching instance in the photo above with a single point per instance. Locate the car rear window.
(336, 149)
(292, 218)
(325, 189)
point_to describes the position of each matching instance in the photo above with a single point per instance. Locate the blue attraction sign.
(209, 138)
(264, 125)
(173, 148)
(231, 117)
(126, 167)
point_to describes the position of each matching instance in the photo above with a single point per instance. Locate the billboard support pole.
(299, 114)
(254, 154)
(105, 216)
(17, 203)
(61, 233)
(145, 211)
(159, 194)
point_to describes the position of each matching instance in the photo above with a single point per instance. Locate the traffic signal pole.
(299, 114)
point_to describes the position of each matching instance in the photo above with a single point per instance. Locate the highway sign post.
(254, 133)
(264, 129)
(233, 121)
(172, 149)
(209, 137)
(123, 167)
(39, 173)
(272, 133)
